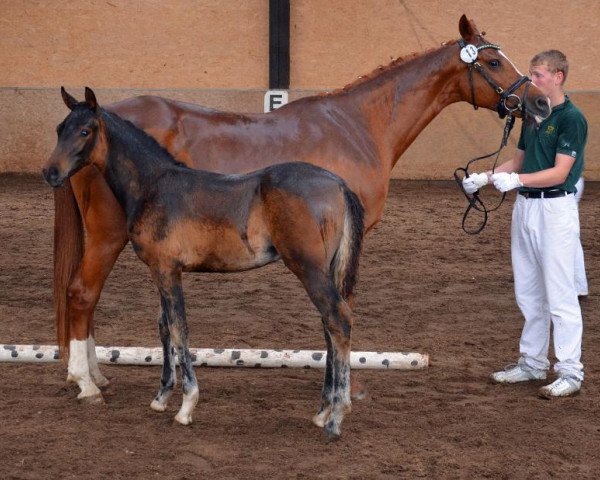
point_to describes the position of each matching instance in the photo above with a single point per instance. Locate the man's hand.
(474, 182)
(506, 181)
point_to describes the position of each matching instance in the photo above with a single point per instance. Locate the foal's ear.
(467, 28)
(70, 102)
(90, 99)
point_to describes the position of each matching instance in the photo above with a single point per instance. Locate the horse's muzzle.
(53, 177)
(541, 108)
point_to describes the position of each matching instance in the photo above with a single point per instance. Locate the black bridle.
(504, 110)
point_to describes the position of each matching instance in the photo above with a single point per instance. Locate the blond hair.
(554, 60)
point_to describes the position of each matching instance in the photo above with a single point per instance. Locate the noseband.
(468, 54)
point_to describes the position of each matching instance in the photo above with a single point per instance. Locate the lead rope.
(474, 200)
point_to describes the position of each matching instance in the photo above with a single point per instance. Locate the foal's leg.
(337, 324)
(168, 379)
(339, 327)
(327, 391)
(173, 307)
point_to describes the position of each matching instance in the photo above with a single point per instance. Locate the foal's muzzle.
(53, 176)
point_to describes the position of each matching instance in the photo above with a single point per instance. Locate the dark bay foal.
(179, 220)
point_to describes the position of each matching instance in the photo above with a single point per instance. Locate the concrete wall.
(216, 53)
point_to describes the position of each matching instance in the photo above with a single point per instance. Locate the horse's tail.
(68, 251)
(345, 262)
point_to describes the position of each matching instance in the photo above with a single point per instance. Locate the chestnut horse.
(358, 133)
(180, 219)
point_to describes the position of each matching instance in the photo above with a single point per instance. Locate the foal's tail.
(344, 265)
(68, 251)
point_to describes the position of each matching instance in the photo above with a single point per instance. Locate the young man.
(545, 233)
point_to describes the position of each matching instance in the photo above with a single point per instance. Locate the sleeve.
(572, 136)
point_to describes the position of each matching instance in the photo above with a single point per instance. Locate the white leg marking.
(79, 372)
(99, 379)
(184, 416)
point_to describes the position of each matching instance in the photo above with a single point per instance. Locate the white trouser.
(580, 277)
(545, 238)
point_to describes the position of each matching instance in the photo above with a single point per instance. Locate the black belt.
(545, 194)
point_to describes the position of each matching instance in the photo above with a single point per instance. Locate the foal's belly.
(207, 248)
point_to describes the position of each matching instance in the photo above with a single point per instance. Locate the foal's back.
(205, 221)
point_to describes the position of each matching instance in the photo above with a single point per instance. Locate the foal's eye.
(84, 133)
(494, 63)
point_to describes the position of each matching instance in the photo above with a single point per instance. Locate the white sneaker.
(516, 374)
(561, 387)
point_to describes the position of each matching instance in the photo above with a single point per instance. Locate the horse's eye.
(84, 133)
(494, 63)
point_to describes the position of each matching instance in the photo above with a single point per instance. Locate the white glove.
(474, 182)
(506, 181)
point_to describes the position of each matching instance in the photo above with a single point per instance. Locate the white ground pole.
(223, 357)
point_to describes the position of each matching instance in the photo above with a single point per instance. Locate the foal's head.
(78, 138)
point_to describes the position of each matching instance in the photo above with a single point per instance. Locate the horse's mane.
(383, 69)
(117, 126)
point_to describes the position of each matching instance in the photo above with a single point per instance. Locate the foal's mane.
(131, 135)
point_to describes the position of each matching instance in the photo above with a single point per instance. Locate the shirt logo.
(549, 129)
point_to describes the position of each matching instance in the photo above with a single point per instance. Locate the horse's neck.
(400, 102)
(129, 170)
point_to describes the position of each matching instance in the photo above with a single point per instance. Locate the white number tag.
(468, 53)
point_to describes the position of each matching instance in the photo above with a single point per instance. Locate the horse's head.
(77, 138)
(492, 81)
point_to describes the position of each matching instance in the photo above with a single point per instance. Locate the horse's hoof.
(157, 406)
(183, 419)
(102, 382)
(96, 399)
(333, 433)
(320, 418)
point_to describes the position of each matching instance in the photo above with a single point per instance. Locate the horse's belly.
(221, 250)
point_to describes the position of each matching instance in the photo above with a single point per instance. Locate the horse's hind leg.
(337, 323)
(173, 307)
(327, 391)
(168, 379)
(339, 327)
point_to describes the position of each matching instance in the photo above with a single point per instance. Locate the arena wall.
(216, 53)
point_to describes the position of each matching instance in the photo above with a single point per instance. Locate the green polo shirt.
(564, 131)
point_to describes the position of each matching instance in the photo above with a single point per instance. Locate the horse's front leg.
(106, 238)
(168, 379)
(173, 306)
(83, 295)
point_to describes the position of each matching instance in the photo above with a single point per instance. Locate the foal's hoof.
(320, 418)
(158, 406)
(183, 419)
(96, 399)
(333, 432)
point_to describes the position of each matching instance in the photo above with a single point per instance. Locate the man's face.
(544, 79)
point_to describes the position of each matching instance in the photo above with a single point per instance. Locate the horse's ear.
(467, 28)
(70, 102)
(90, 99)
